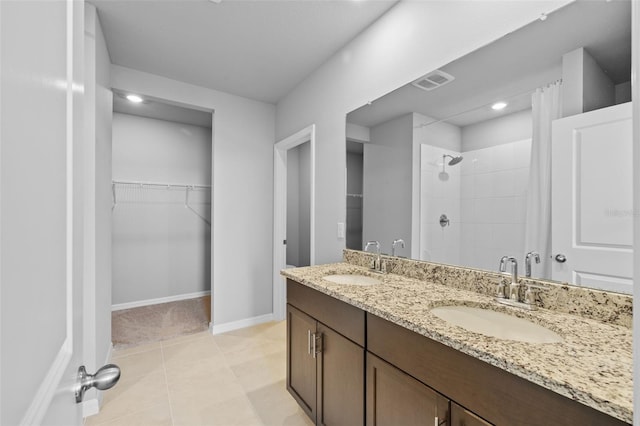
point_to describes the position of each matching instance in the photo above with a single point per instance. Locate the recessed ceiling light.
(498, 106)
(134, 98)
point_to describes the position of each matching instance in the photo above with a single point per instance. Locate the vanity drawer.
(340, 316)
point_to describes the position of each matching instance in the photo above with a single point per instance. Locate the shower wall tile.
(493, 210)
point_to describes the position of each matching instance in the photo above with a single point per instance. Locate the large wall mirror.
(523, 146)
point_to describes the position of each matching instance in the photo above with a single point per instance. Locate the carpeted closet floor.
(136, 326)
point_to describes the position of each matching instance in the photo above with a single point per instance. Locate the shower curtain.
(546, 107)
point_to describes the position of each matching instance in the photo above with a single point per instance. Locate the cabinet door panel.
(301, 366)
(395, 398)
(462, 417)
(341, 380)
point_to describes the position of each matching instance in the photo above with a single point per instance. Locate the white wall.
(387, 174)
(501, 130)
(160, 248)
(243, 138)
(97, 178)
(420, 37)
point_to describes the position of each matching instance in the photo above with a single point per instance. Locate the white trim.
(280, 149)
(235, 325)
(148, 302)
(44, 395)
(92, 406)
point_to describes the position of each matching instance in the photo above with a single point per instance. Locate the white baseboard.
(235, 325)
(91, 407)
(139, 303)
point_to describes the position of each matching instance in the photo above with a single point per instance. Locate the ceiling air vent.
(433, 80)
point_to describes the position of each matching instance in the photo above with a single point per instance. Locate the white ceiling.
(513, 66)
(259, 49)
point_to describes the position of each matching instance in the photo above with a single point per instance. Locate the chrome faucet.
(377, 263)
(514, 287)
(527, 261)
(393, 246)
(529, 301)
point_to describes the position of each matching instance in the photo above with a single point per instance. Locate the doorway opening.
(161, 220)
(294, 209)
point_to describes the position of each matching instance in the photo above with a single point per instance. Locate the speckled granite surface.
(599, 305)
(592, 366)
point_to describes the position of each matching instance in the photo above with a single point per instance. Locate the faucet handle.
(530, 293)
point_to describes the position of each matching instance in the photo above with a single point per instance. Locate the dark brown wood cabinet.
(301, 365)
(409, 379)
(395, 398)
(325, 369)
(462, 417)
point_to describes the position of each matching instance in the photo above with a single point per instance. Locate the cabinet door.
(395, 398)
(462, 417)
(340, 380)
(301, 365)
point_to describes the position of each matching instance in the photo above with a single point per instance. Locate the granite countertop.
(592, 366)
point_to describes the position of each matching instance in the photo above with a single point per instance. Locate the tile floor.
(236, 378)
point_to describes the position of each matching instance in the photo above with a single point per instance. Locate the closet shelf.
(131, 188)
(355, 195)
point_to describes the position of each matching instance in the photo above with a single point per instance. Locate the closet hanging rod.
(160, 184)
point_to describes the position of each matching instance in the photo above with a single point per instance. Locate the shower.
(453, 161)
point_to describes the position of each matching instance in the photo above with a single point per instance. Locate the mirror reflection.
(521, 148)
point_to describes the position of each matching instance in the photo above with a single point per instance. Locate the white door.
(40, 211)
(592, 200)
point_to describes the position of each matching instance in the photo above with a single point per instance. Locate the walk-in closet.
(161, 220)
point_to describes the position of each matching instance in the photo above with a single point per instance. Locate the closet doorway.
(161, 220)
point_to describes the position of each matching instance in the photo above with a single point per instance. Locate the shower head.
(454, 160)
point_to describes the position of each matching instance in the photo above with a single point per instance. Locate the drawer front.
(492, 393)
(340, 316)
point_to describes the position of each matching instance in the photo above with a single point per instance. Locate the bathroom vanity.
(375, 354)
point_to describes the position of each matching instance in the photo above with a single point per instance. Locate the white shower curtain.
(546, 107)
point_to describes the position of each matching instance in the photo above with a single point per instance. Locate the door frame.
(280, 149)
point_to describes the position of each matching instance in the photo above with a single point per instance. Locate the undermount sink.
(350, 279)
(496, 324)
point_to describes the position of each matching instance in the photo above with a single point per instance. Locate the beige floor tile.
(186, 338)
(132, 395)
(207, 380)
(140, 364)
(271, 330)
(261, 372)
(190, 351)
(157, 415)
(275, 406)
(237, 411)
(239, 350)
(120, 352)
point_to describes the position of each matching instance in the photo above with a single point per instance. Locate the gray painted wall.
(361, 72)
(160, 248)
(243, 138)
(505, 129)
(387, 186)
(298, 205)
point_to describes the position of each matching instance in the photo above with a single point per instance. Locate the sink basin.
(352, 279)
(496, 324)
